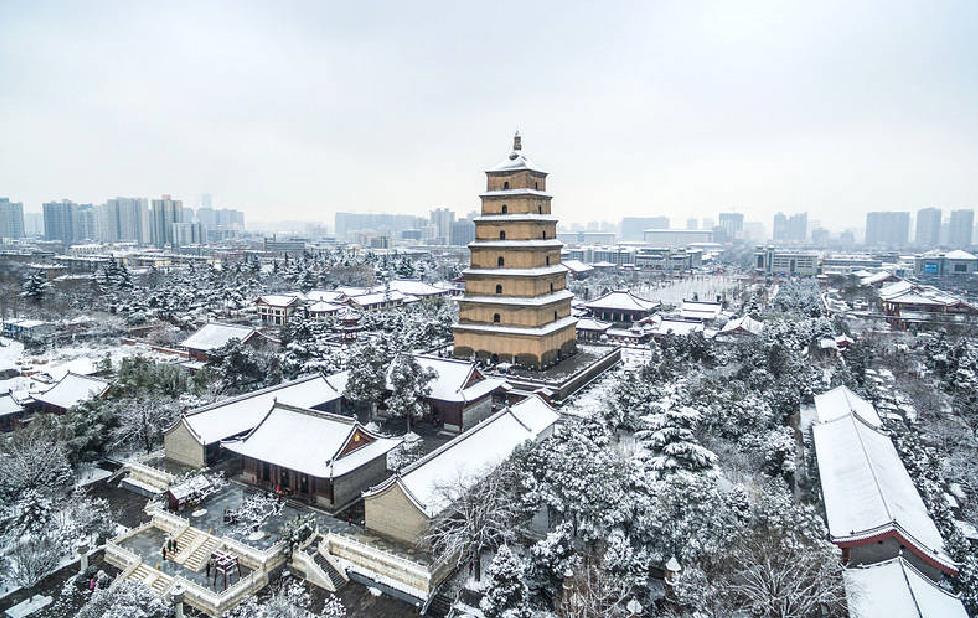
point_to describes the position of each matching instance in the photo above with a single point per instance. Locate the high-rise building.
(887, 229)
(928, 231)
(86, 227)
(692, 224)
(166, 212)
(463, 232)
(33, 224)
(731, 225)
(349, 224)
(633, 228)
(11, 219)
(442, 219)
(59, 221)
(960, 227)
(185, 234)
(124, 219)
(516, 305)
(792, 228)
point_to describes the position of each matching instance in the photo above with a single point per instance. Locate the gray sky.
(297, 110)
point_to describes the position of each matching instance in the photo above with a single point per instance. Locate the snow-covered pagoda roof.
(868, 493)
(840, 402)
(318, 443)
(214, 335)
(622, 300)
(232, 417)
(517, 161)
(455, 379)
(895, 589)
(72, 390)
(472, 455)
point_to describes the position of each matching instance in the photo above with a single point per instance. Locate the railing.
(364, 548)
(121, 557)
(170, 522)
(260, 558)
(217, 603)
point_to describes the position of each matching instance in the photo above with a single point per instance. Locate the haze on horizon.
(298, 110)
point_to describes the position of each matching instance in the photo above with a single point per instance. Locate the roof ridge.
(453, 442)
(255, 393)
(903, 571)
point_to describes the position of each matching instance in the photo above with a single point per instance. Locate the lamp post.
(673, 573)
(82, 550)
(176, 596)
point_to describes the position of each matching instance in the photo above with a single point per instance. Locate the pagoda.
(516, 307)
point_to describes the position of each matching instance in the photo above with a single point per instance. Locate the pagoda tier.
(516, 306)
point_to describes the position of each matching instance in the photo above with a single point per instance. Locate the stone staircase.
(328, 569)
(440, 606)
(194, 548)
(146, 574)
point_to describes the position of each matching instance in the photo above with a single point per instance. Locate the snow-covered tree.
(506, 595)
(549, 560)
(669, 444)
(410, 386)
(141, 423)
(34, 556)
(368, 374)
(36, 286)
(33, 458)
(126, 599)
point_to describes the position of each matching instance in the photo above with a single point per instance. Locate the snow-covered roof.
(677, 327)
(9, 406)
(72, 390)
(700, 311)
(958, 254)
(895, 289)
(232, 417)
(516, 160)
(622, 300)
(455, 379)
(546, 329)
(329, 296)
(214, 335)
(311, 442)
(416, 288)
(840, 402)
(472, 455)
(278, 300)
(745, 324)
(536, 243)
(868, 492)
(895, 589)
(517, 272)
(322, 306)
(577, 266)
(379, 298)
(338, 381)
(521, 301)
(591, 324)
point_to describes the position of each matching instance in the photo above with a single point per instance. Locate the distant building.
(956, 263)
(960, 227)
(442, 219)
(594, 238)
(33, 224)
(11, 219)
(790, 229)
(166, 212)
(677, 238)
(731, 226)
(124, 219)
(887, 229)
(786, 262)
(928, 232)
(348, 224)
(633, 228)
(59, 221)
(186, 234)
(692, 224)
(463, 232)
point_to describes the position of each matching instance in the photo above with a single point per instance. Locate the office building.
(165, 214)
(633, 228)
(442, 219)
(960, 227)
(928, 232)
(11, 219)
(786, 262)
(59, 221)
(887, 229)
(792, 228)
(731, 226)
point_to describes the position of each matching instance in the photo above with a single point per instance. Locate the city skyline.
(642, 110)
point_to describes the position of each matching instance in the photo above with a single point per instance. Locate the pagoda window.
(506, 185)
(551, 286)
(499, 289)
(540, 209)
(548, 260)
(555, 315)
(501, 261)
(504, 209)
(536, 185)
(496, 318)
(502, 234)
(543, 234)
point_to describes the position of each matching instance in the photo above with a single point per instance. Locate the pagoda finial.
(517, 142)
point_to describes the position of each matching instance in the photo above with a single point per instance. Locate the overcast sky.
(298, 110)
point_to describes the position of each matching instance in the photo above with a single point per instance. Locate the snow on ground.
(704, 287)
(10, 352)
(84, 359)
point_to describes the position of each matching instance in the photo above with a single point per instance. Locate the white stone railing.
(385, 565)
(120, 557)
(171, 523)
(217, 603)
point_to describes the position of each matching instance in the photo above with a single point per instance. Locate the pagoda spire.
(517, 145)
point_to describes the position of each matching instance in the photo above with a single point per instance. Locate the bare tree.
(591, 592)
(479, 515)
(33, 557)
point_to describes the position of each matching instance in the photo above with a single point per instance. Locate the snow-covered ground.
(704, 287)
(84, 359)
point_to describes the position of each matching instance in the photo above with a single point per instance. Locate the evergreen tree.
(367, 381)
(669, 444)
(506, 595)
(410, 386)
(35, 287)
